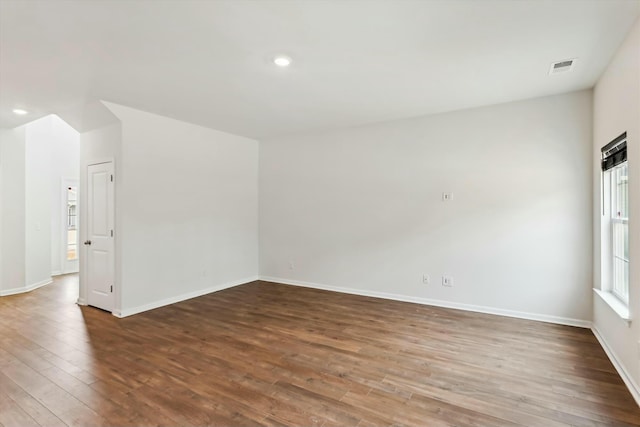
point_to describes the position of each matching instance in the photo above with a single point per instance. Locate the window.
(615, 209)
(620, 231)
(72, 232)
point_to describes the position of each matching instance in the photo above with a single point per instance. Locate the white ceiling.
(355, 62)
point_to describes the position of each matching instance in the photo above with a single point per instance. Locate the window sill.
(616, 305)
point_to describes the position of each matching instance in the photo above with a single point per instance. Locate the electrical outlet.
(447, 197)
(292, 265)
(447, 281)
(426, 279)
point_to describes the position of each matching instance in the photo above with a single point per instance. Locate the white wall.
(12, 209)
(38, 202)
(188, 203)
(361, 209)
(617, 109)
(65, 164)
(2, 138)
(32, 160)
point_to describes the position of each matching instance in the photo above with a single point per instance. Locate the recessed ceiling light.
(19, 111)
(282, 61)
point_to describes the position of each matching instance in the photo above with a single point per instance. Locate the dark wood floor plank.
(58, 401)
(276, 355)
(12, 414)
(40, 414)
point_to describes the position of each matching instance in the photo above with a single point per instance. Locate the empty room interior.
(320, 213)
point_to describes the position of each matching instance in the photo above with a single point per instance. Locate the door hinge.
(111, 233)
(111, 178)
(111, 288)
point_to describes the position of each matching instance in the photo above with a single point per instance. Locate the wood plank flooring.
(277, 355)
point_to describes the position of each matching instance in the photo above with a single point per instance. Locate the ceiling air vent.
(562, 66)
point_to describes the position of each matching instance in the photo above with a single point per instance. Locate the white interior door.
(99, 243)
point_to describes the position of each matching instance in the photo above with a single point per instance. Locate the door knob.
(88, 242)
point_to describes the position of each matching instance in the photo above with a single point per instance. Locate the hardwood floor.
(270, 354)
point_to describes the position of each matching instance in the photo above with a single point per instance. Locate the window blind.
(614, 153)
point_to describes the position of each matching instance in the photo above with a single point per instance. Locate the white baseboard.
(634, 389)
(57, 273)
(183, 297)
(81, 301)
(21, 290)
(439, 303)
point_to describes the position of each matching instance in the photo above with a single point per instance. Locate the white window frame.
(619, 290)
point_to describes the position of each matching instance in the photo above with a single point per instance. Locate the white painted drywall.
(2, 137)
(361, 209)
(38, 202)
(12, 208)
(34, 158)
(65, 164)
(188, 203)
(616, 110)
